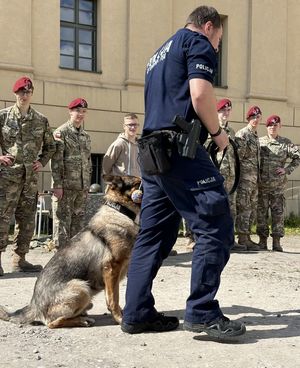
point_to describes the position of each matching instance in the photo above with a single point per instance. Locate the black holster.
(188, 138)
(155, 151)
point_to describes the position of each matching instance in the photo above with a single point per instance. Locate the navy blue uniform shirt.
(186, 55)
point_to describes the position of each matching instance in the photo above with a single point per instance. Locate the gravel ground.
(260, 288)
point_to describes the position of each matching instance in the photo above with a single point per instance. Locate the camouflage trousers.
(246, 206)
(273, 200)
(68, 215)
(19, 199)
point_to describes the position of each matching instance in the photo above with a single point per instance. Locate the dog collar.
(122, 209)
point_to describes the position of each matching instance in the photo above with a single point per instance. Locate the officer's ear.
(208, 26)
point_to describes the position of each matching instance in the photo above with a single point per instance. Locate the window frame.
(218, 74)
(220, 80)
(76, 26)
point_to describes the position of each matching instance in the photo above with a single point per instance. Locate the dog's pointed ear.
(113, 180)
(130, 179)
(108, 179)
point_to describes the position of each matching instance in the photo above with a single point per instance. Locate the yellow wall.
(261, 53)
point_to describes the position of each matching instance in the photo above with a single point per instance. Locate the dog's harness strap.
(121, 209)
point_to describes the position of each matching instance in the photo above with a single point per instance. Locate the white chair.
(43, 212)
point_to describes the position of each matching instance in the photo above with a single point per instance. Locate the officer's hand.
(7, 160)
(221, 140)
(280, 171)
(58, 192)
(37, 166)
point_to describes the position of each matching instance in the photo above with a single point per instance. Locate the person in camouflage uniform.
(71, 172)
(27, 145)
(275, 151)
(246, 197)
(227, 168)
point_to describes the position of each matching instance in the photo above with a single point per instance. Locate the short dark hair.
(204, 14)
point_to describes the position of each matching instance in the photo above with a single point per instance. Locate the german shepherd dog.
(95, 259)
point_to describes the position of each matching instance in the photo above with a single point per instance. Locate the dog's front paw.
(118, 316)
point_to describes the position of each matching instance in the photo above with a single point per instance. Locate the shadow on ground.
(261, 326)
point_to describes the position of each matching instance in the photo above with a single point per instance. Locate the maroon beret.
(225, 103)
(273, 119)
(23, 83)
(78, 102)
(253, 111)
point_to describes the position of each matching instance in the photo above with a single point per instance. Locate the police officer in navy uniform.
(179, 79)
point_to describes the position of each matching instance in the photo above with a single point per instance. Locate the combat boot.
(263, 242)
(252, 242)
(276, 244)
(244, 239)
(21, 265)
(238, 247)
(1, 269)
(251, 245)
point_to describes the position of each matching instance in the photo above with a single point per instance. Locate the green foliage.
(292, 231)
(292, 221)
(292, 224)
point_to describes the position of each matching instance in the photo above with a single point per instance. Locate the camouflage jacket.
(27, 138)
(249, 153)
(227, 167)
(276, 153)
(71, 164)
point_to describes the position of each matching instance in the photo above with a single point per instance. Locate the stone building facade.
(259, 62)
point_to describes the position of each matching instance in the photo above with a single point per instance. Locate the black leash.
(213, 149)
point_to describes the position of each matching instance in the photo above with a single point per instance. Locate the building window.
(222, 56)
(218, 74)
(78, 26)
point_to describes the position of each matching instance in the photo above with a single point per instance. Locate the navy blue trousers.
(193, 189)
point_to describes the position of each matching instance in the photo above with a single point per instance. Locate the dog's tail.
(21, 316)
